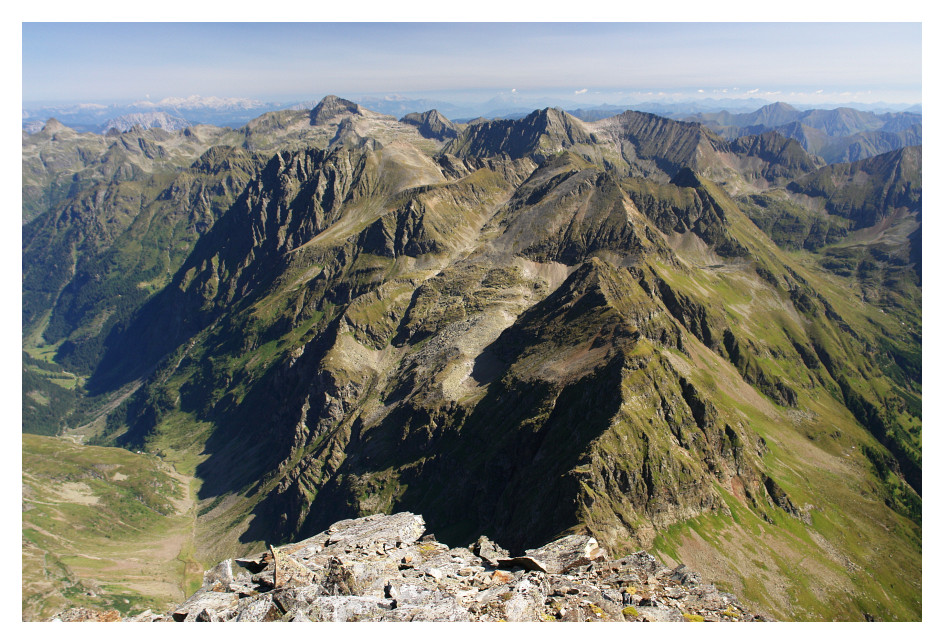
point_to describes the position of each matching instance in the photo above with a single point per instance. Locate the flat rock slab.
(343, 609)
(370, 532)
(528, 563)
(563, 555)
(262, 608)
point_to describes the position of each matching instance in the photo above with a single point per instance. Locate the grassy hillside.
(104, 528)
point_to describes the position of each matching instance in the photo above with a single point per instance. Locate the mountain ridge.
(376, 320)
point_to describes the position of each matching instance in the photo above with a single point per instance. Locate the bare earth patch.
(77, 493)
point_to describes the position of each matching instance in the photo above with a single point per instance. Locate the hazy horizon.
(583, 63)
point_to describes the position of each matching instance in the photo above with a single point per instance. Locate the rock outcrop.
(383, 568)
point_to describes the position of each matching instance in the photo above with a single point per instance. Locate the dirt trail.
(183, 543)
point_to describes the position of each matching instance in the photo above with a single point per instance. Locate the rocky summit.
(386, 568)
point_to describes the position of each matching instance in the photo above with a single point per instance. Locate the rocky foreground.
(384, 568)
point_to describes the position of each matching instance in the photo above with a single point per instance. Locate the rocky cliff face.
(385, 569)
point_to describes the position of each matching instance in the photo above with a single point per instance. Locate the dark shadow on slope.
(483, 469)
(914, 252)
(504, 470)
(231, 266)
(254, 435)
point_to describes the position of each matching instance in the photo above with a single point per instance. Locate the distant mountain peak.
(432, 125)
(53, 126)
(774, 147)
(540, 133)
(331, 107)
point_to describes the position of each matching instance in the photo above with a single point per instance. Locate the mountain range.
(235, 112)
(635, 328)
(145, 120)
(837, 135)
(94, 117)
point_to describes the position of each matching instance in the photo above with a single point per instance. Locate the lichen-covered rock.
(288, 571)
(262, 608)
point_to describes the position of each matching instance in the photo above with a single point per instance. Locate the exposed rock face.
(378, 568)
(652, 144)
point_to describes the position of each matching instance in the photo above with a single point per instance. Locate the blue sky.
(865, 62)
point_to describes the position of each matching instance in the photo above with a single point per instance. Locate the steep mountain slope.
(115, 244)
(868, 212)
(132, 214)
(782, 156)
(640, 144)
(867, 191)
(548, 327)
(851, 147)
(540, 134)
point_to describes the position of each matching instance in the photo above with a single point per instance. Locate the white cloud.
(514, 91)
(752, 91)
(701, 91)
(581, 91)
